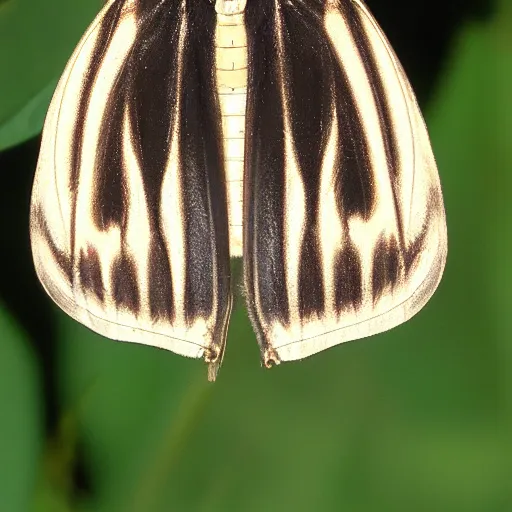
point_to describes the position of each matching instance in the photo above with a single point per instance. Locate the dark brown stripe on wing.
(124, 284)
(147, 8)
(380, 97)
(413, 252)
(105, 31)
(355, 187)
(307, 84)
(354, 182)
(89, 273)
(348, 278)
(149, 89)
(204, 188)
(264, 180)
(61, 258)
(161, 304)
(386, 266)
(145, 88)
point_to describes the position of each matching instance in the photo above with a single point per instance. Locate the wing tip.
(270, 357)
(213, 356)
(213, 370)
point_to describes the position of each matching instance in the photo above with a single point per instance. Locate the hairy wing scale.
(343, 222)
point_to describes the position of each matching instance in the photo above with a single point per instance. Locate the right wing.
(345, 232)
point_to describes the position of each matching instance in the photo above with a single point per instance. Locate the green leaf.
(36, 40)
(21, 418)
(28, 122)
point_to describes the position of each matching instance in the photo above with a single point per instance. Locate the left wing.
(129, 216)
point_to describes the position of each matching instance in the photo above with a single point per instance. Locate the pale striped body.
(184, 133)
(231, 73)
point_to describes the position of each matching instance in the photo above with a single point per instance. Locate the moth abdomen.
(231, 76)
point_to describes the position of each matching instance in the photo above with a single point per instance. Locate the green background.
(416, 419)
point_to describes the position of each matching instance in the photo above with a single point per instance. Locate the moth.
(184, 133)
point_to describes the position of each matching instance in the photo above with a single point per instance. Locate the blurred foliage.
(36, 39)
(413, 419)
(21, 432)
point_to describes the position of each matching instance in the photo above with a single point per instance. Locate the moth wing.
(345, 233)
(128, 216)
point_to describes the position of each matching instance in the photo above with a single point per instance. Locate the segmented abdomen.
(231, 73)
